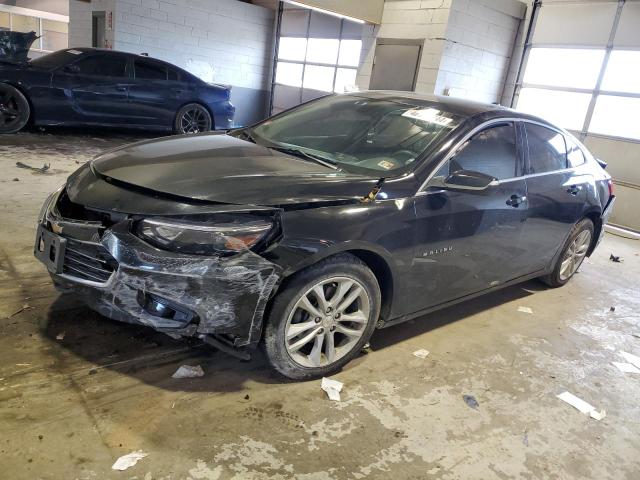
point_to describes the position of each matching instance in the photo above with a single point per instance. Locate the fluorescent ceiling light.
(326, 12)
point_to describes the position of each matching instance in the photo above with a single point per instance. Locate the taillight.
(610, 184)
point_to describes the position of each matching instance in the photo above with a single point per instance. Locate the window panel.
(566, 109)
(54, 35)
(623, 72)
(547, 150)
(616, 116)
(492, 152)
(318, 78)
(345, 79)
(350, 53)
(103, 65)
(149, 70)
(289, 74)
(564, 67)
(22, 23)
(322, 50)
(291, 48)
(575, 156)
(4, 21)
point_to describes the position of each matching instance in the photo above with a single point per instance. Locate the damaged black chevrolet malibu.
(313, 228)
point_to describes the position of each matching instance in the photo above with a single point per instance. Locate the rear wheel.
(573, 254)
(193, 118)
(14, 109)
(322, 318)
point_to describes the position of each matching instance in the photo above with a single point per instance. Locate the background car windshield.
(372, 134)
(56, 59)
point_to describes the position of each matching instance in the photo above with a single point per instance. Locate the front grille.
(88, 261)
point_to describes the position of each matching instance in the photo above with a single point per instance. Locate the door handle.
(178, 90)
(574, 189)
(121, 88)
(515, 200)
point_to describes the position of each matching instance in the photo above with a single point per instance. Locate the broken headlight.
(205, 238)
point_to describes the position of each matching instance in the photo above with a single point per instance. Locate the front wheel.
(573, 253)
(14, 109)
(322, 318)
(193, 118)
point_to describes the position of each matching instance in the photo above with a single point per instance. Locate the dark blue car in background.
(106, 88)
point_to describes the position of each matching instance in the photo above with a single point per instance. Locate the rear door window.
(575, 155)
(103, 65)
(148, 70)
(547, 149)
(491, 151)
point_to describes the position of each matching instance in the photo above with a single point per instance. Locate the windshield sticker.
(75, 52)
(429, 115)
(387, 165)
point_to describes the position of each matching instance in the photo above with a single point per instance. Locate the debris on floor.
(60, 336)
(525, 438)
(42, 169)
(16, 179)
(129, 460)
(582, 406)
(632, 359)
(188, 371)
(615, 259)
(422, 353)
(612, 309)
(626, 367)
(522, 309)
(332, 388)
(471, 401)
(24, 307)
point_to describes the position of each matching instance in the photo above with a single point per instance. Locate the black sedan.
(106, 88)
(313, 228)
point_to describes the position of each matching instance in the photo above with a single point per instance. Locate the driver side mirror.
(465, 180)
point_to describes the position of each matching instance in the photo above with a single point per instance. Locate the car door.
(157, 92)
(470, 240)
(95, 87)
(557, 193)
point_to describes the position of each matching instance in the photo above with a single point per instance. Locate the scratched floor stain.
(77, 390)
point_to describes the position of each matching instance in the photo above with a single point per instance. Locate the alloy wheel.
(575, 254)
(195, 120)
(10, 114)
(327, 322)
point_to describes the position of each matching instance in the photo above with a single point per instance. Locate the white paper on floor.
(128, 460)
(187, 371)
(525, 309)
(626, 367)
(332, 387)
(632, 359)
(582, 406)
(422, 353)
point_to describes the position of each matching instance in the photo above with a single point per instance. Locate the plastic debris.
(24, 307)
(525, 438)
(522, 309)
(129, 460)
(626, 367)
(332, 387)
(632, 359)
(188, 371)
(614, 259)
(422, 353)
(60, 336)
(471, 401)
(42, 169)
(612, 309)
(582, 406)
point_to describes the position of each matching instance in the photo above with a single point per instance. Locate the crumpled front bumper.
(213, 295)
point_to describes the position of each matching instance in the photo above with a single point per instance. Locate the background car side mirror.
(71, 68)
(468, 180)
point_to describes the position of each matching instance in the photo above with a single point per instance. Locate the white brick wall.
(477, 54)
(80, 21)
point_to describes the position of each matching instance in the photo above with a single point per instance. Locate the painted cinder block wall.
(221, 41)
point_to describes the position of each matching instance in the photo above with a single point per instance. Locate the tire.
(574, 252)
(14, 109)
(192, 118)
(343, 275)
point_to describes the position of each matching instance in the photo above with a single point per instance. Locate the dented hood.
(220, 168)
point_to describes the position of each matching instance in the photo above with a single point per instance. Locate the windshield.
(359, 133)
(56, 59)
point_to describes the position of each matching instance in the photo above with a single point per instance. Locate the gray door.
(395, 65)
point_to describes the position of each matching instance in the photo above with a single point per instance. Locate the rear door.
(95, 87)
(468, 241)
(157, 92)
(556, 191)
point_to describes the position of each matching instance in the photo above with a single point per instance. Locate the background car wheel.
(14, 109)
(322, 318)
(193, 118)
(572, 255)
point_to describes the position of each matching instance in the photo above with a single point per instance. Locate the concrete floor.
(77, 390)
